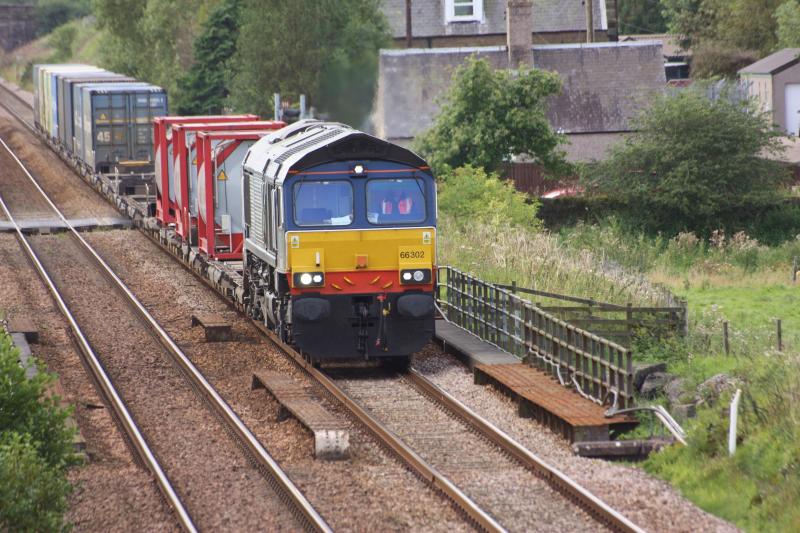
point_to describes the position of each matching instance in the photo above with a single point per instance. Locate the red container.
(220, 214)
(162, 150)
(185, 166)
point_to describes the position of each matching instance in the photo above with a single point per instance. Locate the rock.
(642, 370)
(683, 412)
(654, 384)
(712, 388)
(674, 390)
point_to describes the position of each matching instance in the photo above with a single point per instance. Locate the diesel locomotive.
(340, 241)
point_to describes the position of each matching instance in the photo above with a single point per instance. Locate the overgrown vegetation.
(488, 115)
(35, 448)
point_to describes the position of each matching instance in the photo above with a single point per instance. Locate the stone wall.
(17, 25)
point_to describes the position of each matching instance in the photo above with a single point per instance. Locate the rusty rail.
(600, 369)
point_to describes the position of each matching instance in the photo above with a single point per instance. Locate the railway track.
(477, 433)
(171, 415)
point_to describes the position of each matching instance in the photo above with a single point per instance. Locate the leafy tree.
(641, 16)
(488, 115)
(205, 87)
(692, 159)
(326, 49)
(787, 16)
(151, 40)
(723, 33)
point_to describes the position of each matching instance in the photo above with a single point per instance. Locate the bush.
(26, 408)
(35, 448)
(693, 162)
(469, 194)
(33, 495)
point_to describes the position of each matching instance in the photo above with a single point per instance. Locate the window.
(463, 10)
(323, 203)
(395, 201)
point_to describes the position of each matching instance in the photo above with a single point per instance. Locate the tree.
(787, 16)
(692, 159)
(205, 87)
(326, 49)
(641, 16)
(151, 40)
(488, 115)
(723, 33)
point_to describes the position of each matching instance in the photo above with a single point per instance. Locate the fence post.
(734, 420)
(629, 321)
(514, 287)
(794, 269)
(725, 342)
(779, 333)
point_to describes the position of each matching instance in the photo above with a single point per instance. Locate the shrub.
(469, 194)
(33, 495)
(35, 448)
(26, 408)
(691, 162)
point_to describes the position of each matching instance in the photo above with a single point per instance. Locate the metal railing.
(598, 368)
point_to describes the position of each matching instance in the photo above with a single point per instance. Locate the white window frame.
(450, 11)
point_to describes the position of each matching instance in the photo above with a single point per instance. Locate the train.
(331, 230)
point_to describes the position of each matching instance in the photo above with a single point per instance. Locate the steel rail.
(557, 479)
(117, 404)
(411, 458)
(233, 422)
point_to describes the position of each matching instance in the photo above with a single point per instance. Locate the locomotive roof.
(309, 143)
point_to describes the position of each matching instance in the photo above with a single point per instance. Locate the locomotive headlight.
(417, 275)
(308, 279)
(358, 169)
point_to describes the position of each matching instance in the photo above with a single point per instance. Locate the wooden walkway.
(537, 394)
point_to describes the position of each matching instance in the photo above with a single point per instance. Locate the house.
(604, 86)
(774, 82)
(676, 58)
(460, 23)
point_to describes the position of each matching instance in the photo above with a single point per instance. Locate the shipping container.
(66, 108)
(164, 158)
(49, 93)
(220, 218)
(115, 131)
(185, 166)
(40, 106)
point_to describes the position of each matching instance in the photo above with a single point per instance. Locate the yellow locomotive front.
(354, 271)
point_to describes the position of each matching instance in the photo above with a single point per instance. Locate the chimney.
(519, 30)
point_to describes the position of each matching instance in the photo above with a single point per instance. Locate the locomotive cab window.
(395, 201)
(323, 203)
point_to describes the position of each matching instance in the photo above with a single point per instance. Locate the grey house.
(605, 85)
(458, 23)
(774, 82)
